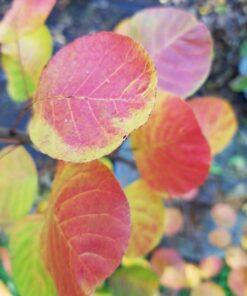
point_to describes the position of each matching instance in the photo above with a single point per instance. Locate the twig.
(14, 137)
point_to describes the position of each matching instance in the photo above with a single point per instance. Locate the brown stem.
(14, 137)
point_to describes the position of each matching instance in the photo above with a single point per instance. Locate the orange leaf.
(87, 228)
(92, 94)
(171, 153)
(217, 120)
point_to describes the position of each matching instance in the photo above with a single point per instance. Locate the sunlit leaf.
(24, 60)
(18, 183)
(147, 216)
(217, 120)
(210, 266)
(92, 94)
(134, 281)
(237, 281)
(219, 238)
(164, 257)
(87, 228)
(208, 288)
(171, 153)
(29, 272)
(24, 16)
(192, 274)
(4, 290)
(135, 261)
(236, 257)
(173, 222)
(179, 44)
(174, 277)
(224, 215)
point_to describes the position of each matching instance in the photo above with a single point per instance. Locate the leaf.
(18, 183)
(147, 217)
(210, 266)
(87, 228)
(217, 120)
(239, 84)
(208, 288)
(179, 44)
(237, 281)
(171, 228)
(163, 258)
(24, 16)
(93, 93)
(29, 272)
(134, 281)
(224, 215)
(171, 153)
(219, 237)
(23, 62)
(4, 290)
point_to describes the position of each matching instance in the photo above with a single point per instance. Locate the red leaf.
(92, 94)
(171, 153)
(87, 228)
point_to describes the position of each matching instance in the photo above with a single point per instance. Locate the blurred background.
(227, 21)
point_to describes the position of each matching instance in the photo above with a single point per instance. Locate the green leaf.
(134, 281)
(18, 184)
(24, 61)
(239, 84)
(29, 273)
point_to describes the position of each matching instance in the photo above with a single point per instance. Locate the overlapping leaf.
(135, 281)
(217, 120)
(147, 216)
(24, 60)
(92, 94)
(18, 183)
(171, 153)
(29, 272)
(180, 46)
(24, 16)
(87, 228)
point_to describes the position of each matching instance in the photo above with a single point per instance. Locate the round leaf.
(87, 228)
(171, 153)
(93, 93)
(217, 120)
(147, 216)
(179, 44)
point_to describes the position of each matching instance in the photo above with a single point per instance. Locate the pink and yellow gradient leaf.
(179, 44)
(217, 120)
(147, 216)
(24, 16)
(171, 152)
(92, 94)
(87, 228)
(18, 184)
(23, 62)
(29, 272)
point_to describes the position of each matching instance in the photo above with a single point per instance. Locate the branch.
(14, 136)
